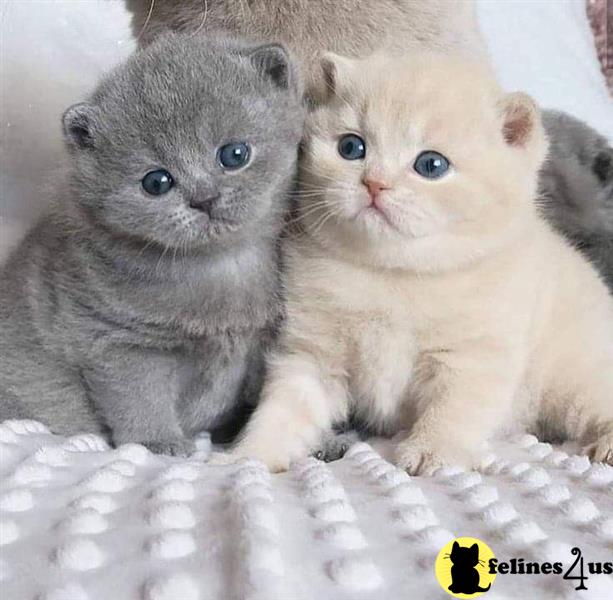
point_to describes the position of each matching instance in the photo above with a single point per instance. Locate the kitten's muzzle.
(204, 204)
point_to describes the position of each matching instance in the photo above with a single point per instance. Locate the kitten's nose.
(203, 203)
(375, 186)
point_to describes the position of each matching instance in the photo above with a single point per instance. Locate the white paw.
(276, 456)
(275, 461)
(421, 457)
(601, 450)
(416, 459)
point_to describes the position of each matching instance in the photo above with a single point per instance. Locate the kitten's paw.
(274, 456)
(334, 445)
(423, 454)
(172, 447)
(417, 458)
(601, 450)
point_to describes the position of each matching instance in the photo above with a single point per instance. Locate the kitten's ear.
(521, 117)
(79, 123)
(602, 166)
(456, 546)
(274, 63)
(521, 124)
(475, 548)
(335, 69)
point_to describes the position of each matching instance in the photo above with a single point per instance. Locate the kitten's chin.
(376, 221)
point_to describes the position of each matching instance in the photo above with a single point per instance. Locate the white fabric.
(79, 521)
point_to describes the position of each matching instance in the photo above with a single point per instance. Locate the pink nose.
(375, 186)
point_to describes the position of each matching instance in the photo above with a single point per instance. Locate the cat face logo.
(461, 568)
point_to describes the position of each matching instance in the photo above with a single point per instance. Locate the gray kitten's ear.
(335, 69)
(274, 63)
(79, 125)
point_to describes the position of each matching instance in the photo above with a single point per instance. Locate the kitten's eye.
(157, 182)
(431, 165)
(352, 147)
(234, 155)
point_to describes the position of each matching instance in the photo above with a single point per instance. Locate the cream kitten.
(425, 292)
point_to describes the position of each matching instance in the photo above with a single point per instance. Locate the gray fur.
(576, 185)
(136, 315)
(309, 27)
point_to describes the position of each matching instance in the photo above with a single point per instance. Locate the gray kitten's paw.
(172, 447)
(334, 445)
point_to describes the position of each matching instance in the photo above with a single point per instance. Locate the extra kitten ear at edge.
(79, 125)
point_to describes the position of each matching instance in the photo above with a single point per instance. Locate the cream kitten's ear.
(521, 126)
(336, 69)
(521, 117)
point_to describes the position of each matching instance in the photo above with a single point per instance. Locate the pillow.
(547, 49)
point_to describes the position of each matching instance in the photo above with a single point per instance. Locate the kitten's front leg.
(136, 391)
(461, 405)
(298, 404)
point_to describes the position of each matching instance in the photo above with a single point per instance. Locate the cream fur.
(457, 313)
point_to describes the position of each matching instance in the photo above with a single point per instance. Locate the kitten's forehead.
(186, 94)
(425, 97)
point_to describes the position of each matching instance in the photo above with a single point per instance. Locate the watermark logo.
(462, 568)
(466, 568)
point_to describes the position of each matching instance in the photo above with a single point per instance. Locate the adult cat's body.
(309, 27)
(143, 303)
(424, 291)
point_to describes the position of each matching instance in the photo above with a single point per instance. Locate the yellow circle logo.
(462, 568)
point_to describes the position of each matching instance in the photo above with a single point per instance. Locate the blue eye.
(352, 147)
(157, 182)
(431, 165)
(234, 155)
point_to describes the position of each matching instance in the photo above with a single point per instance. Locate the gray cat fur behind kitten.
(576, 186)
(309, 27)
(146, 317)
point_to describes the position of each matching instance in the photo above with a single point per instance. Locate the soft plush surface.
(82, 521)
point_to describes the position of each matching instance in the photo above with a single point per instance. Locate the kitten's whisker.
(312, 210)
(206, 11)
(321, 224)
(147, 19)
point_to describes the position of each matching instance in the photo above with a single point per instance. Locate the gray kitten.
(576, 185)
(142, 304)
